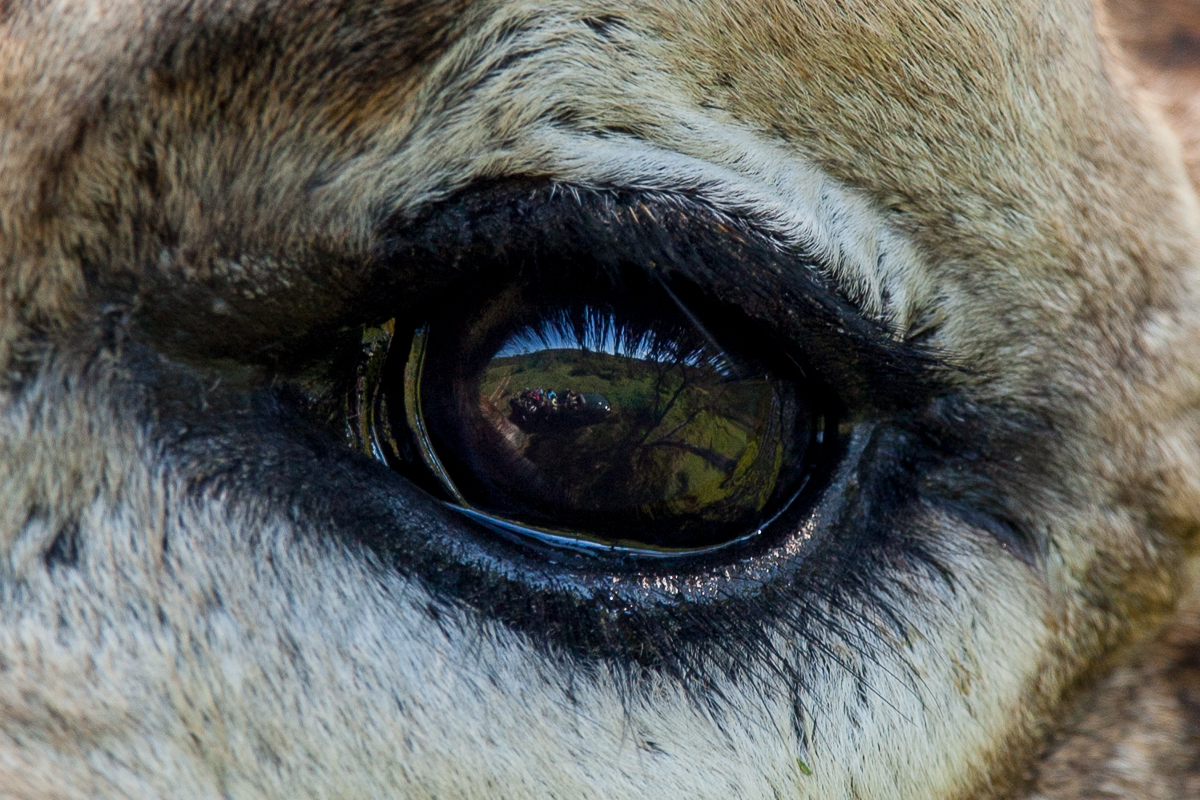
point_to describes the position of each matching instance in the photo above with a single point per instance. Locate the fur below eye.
(597, 417)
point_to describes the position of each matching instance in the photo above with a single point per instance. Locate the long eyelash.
(698, 325)
(612, 233)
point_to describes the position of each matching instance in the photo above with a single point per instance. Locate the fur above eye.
(598, 415)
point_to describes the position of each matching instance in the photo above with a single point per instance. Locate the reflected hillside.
(675, 436)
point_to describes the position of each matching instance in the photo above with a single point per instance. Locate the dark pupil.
(623, 424)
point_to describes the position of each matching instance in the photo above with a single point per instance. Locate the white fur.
(306, 669)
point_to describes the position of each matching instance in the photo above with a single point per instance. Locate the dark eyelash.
(785, 293)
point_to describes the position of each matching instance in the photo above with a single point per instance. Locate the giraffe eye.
(594, 416)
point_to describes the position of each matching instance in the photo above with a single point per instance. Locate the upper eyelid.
(753, 178)
(788, 292)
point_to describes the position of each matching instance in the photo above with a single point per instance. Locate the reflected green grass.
(681, 439)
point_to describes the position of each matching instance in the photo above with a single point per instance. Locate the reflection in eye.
(603, 419)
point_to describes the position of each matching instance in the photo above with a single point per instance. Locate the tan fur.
(1001, 180)
(1160, 42)
(1137, 734)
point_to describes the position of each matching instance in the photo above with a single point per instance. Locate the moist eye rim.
(589, 545)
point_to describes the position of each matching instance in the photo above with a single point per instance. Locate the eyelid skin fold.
(785, 292)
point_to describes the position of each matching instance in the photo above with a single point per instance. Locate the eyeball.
(601, 416)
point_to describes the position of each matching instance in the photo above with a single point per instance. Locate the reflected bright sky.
(603, 334)
(600, 336)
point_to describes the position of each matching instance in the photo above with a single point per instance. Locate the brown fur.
(219, 178)
(1137, 733)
